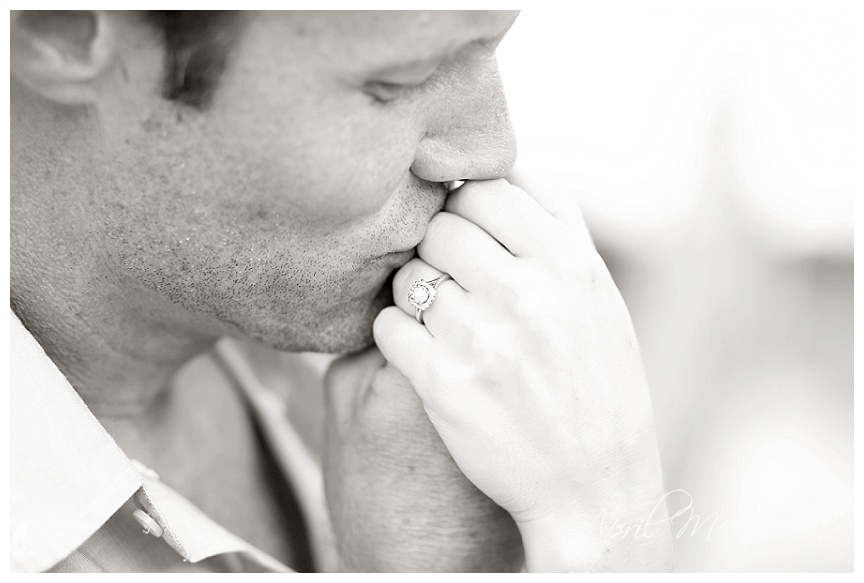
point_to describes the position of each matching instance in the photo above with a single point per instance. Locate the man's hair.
(197, 45)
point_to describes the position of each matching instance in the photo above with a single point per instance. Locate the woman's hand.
(529, 369)
(397, 500)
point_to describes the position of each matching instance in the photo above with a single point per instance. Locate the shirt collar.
(67, 475)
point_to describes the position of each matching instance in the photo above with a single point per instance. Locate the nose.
(470, 135)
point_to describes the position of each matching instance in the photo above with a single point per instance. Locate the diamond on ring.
(422, 293)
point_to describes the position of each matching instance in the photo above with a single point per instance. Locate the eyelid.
(407, 76)
(390, 84)
(388, 90)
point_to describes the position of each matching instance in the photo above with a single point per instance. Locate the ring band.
(422, 293)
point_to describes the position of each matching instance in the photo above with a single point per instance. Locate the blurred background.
(712, 149)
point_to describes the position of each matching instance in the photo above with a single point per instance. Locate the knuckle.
(442, 236)
(566, 238)
(508, 295)
(404, 277)
(385, 329)
(457, 391)
(438, 226)
(497, 355)
(591, 266)
(577, 260)
(500, 188)
(381, 325)
(484, 188)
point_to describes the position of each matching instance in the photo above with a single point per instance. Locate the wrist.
(622, 525)
(603, 542)
(560, 544)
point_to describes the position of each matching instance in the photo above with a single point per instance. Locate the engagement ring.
(422, 293)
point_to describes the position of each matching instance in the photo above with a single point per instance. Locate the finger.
(561, 204)
(471, 256)
(448, 296)
(506, 212)
(405, 344)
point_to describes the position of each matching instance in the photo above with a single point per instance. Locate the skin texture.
(277, 213)
(379, 439)
(529, 368)
(142, 230)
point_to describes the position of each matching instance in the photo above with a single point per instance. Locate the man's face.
(280, 210)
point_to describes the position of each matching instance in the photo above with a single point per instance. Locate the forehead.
(368, 37)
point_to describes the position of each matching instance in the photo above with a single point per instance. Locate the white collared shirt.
(77, 500)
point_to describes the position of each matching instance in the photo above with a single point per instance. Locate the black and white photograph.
(565, 289)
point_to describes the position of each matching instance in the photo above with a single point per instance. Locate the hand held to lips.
(528, 367)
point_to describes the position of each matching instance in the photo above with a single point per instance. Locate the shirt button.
(150, 525)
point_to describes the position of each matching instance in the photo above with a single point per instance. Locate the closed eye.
(395, 82)
(386, 91)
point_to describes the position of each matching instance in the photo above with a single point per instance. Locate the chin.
(343, 330)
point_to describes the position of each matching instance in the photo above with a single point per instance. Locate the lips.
(427, 200)
(406, 227)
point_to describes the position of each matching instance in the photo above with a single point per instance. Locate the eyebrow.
(422, 63)
(430, 61)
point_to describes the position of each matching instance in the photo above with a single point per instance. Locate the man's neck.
(117, 355)
(116, 342)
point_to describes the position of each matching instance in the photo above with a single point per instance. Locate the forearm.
(397, 500)
(482, 538)
(420, 519)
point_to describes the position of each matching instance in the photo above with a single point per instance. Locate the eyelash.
(392, 91)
